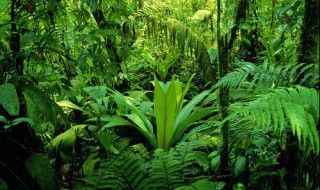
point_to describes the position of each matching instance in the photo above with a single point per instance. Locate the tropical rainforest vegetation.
(167, 94)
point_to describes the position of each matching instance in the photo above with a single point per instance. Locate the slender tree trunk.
(15, 41)
(223, 58)
(223, 99)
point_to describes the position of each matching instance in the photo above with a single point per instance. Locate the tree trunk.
(223, 58)
(15, 41)
(223, 99)
(240, 17)
(308, 52)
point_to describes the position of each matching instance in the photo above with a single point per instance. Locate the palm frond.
(297, 106)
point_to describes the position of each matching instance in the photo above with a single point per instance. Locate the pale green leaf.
(69, 104)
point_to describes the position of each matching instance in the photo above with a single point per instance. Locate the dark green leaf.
(240, 165)
(40, 169)
(9, 99)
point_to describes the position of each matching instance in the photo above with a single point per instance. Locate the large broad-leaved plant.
(172, 118)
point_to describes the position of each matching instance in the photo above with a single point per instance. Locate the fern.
(126, 171)
(192, 158)
(164, 171)
(243, 131)
(298, 106)
(235, 79)
(134, 168)
(269, 75)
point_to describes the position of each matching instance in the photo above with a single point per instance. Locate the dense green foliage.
(141, 94)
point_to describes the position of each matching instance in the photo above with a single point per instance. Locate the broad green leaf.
(38, 102)
(185, 124)
(105, 140)
(97, 92)
(185, 188)
(145, 106)
(215, 159)
(88, 165)
(186, 88)
(185, 112)
(20, 120)
(138, 121)
(165, 103)
(160, 111)
(3, 185)
(69, 104)
(122, 100)
(3, 119)
(103, 118)
(39, 167)
(116, 121)
(65, 141)
(170, 112)
(240, 165)
(238, 186)
(9, 99)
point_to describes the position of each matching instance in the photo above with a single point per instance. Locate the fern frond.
(164, 171)
(126, 171)
(298, 106)
(235, 79)
(269, 75)
(192, 158)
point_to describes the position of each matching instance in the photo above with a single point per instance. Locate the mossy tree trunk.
(223, 98)
(224, 47)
